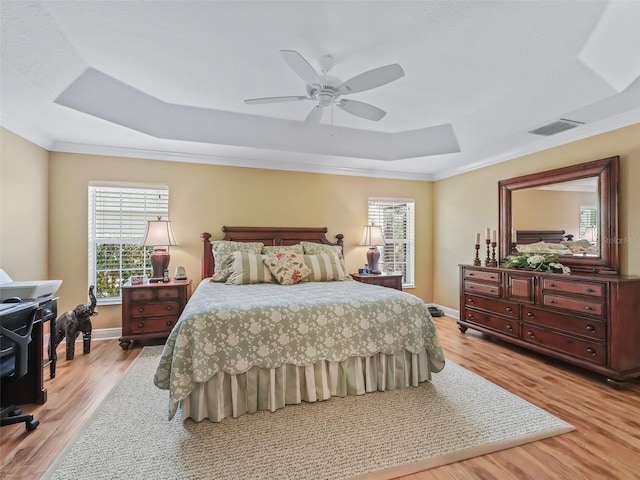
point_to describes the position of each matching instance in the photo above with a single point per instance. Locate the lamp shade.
(158, 233)
(590, 233)
(372, 236)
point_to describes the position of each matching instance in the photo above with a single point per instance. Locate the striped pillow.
(325, 267)
(248, 268)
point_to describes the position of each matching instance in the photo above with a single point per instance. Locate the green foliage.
(537, 262)
(115, 263)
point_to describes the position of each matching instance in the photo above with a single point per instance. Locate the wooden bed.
(243, 348)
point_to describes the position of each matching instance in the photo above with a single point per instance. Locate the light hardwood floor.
(606, 444)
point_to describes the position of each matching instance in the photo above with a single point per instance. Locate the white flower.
(535, 260)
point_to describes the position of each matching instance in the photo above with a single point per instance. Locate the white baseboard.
(99, 334)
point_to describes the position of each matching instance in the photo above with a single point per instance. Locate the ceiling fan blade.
(361, 109)
(372, 79)
(299, 65)
(314, 115)
(253, 101)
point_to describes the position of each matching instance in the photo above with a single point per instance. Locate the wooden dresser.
(151, 310)
(592, 321)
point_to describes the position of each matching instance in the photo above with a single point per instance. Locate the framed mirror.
(538, 208)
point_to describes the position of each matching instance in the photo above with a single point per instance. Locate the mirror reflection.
(568, 208)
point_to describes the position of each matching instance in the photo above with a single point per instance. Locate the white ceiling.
(167, 79)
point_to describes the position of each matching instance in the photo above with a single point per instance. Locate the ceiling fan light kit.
(327, 90)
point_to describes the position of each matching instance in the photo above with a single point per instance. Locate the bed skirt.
(226, 395)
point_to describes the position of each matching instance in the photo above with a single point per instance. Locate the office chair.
(15, 335)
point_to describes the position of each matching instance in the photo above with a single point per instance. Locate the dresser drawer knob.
(591, 328)
(591, 290)
(591, 351)
(509, 309)
(169, 322)
(509, 327)
(141, 309)
(531, 334)
(471, 274)
(492, 291)
(552, 302)
(140, 325)
(169, 307)
(470, 316)
(469, 300)
(554, 285)
(588, 308)
(530, 315)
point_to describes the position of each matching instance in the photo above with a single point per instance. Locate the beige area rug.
(458, 415)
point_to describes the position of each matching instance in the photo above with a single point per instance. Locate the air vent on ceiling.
(556, 127)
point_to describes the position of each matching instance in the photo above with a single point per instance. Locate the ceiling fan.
(326, 90)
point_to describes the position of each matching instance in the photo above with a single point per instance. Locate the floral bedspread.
(234, 327)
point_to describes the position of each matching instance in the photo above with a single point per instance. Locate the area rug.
(457, 415)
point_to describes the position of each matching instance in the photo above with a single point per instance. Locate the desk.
(30, 388)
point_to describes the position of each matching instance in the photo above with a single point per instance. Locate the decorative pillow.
(311, 248)
(581, 246)
(287, 268)
(325, 267)
(248, 268)
(297, 248)
(537, 247)
(222, 250)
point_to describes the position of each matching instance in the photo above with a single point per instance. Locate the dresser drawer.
(591, 328)
(591, 351)
(493, 277)
(142, 294)
(153, 325)
(152, 309)
(581, 288)
(482, 288)
(502, 325)
(168, 293)
(496, 306)
(580, 305)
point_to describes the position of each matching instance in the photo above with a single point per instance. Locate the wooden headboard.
(275, 236)
(549, 236)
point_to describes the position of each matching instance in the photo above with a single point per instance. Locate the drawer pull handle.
(591, 290)
(169, 322)
(530, 315)
(492, 291)
(470, 300)
(509, 309)
(492, 277)
(470, 316)
(509, 327)
(552, 302)
(471, 274)
(591, 328)
(588, 308)
(140, 325)
(531, 334)
(141, 309)
(554, 285)
(169, 307)
(591, 351)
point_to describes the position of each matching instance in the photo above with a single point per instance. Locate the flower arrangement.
(538, 262)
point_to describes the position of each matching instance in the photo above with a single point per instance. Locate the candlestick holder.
(493, 262)
(488, 259)
(476, 261)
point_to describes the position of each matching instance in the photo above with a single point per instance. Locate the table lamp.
(158, 234)
(590, 234)
(372, 237)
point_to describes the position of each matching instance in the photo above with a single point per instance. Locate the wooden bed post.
(207, 255)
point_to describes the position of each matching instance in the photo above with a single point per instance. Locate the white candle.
(514, 236)
(487, 233)
(477, 238)
(493, 236)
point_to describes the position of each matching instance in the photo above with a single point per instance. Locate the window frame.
(377, 203)
(109, 224)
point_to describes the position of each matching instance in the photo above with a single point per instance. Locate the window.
(117, 220)
(396, 217)
(588, 218)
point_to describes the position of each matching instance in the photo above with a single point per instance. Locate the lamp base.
(159, 259)
(373, 257)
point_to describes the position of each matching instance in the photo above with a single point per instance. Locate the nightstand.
(151, 310)
(384, 280)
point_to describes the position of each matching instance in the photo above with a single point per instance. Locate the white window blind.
(117, 221)
(396, 216)
(588, 218)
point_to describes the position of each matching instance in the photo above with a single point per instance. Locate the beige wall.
(24, 217)
(205, 197)
(468, 203)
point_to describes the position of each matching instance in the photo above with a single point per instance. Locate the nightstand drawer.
(168, 292)
(152, 309)
(142, 294)
(152, 325)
